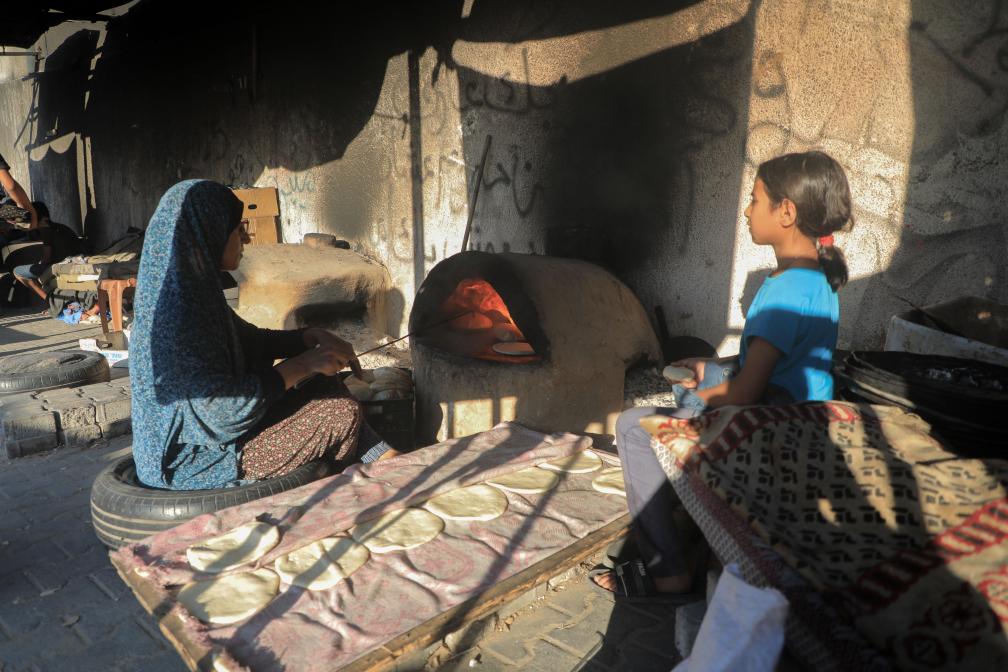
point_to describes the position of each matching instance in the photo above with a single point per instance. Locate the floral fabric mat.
(392, 592)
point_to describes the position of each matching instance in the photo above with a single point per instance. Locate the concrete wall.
(628, 135)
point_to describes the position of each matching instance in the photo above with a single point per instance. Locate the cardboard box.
(118, 359)
(262, 212)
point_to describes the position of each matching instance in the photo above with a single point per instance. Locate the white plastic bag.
(742, 631)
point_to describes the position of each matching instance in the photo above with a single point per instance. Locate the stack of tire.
(964, 401)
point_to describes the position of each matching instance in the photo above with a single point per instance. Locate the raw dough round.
(516, 348)
(367, 376)
(223, 600)
(322, 564)
(387, 373)
(474, 502)
(611, 482)
(389, 384)
(579, 463)
(527, 481)
(245, 543)
(677, 374)
(360, 390)
(398, 530)
(386, 395)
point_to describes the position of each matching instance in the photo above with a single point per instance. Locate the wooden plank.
(487, 602)
(197, 657)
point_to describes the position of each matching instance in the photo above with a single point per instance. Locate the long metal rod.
(414, 333)
(302, 382)
(476, 190)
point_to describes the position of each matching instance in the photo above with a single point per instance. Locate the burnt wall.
(627, 134)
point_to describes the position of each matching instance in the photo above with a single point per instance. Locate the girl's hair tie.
(826, 241)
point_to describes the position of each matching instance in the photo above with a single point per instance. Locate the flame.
(486, 308)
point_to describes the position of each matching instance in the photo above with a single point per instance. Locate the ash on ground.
(645, 386)
(363, 338)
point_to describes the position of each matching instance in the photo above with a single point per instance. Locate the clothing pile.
(75, 279)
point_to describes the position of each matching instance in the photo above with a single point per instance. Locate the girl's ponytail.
(818, 187)
(833, 263)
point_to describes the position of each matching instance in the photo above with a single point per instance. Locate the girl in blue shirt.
(798, 201)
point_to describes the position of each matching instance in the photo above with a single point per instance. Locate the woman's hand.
(327, 360)
(323, 359)
(697, 366)
(315, 337)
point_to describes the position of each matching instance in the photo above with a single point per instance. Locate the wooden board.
(198, 657)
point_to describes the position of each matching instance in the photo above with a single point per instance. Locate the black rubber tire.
(963, 400)
(37, 371)
(912, 377)
(123, 511)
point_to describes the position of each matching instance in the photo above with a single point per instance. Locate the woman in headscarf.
(209, 408)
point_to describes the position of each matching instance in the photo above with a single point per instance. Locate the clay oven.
(582, 326)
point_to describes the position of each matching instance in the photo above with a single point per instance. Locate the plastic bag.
(742, 631)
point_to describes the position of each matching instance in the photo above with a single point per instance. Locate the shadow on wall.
(59, 119)
(190, 89)
(953, 237)
(613, 163)
(951, 240)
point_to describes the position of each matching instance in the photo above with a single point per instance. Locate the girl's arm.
(751, 382)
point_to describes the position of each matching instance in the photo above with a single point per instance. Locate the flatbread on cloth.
(579, 463)
(232, 598)
(244, 544)
(529, 481)
(398, 530)
(610, 482)
(475, 502)
(322, 564)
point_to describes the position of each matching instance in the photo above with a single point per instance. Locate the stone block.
(115, 428)
(60, 396)
(114, 410)
(88, 390)
(73, 413)
(563, 577)
(104, 395)
(37, 444)
(77, 436)
(523, 600)
(469, 634)
(15, 399)
(25, 420)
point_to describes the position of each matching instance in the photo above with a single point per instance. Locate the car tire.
(37, 371)
(124, 511)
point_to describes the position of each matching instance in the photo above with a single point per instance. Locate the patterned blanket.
(871, 528)
(315, 631)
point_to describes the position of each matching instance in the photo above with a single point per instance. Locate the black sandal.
(622, 550)
(634, 584)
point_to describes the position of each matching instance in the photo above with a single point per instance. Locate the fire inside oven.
(475, 322)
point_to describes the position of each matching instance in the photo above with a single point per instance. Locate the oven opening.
(475, 322)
